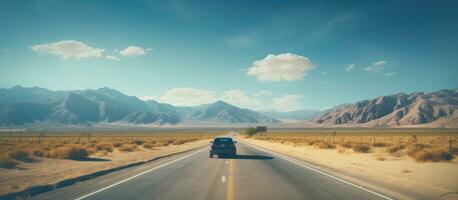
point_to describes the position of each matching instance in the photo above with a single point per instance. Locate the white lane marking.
(227, 162)
(135, 176)
(323, 173)
(223, 179)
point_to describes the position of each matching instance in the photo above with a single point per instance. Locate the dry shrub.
(70, 152)
(434, 155)
(7, 163)
(18, 154)
(379, 144)
(105, 146)
(128, 147)
(117, 144)
(138, 142)
(39, 152)
(148, 145)
(394, 148)
(413, 149)
(179, 141)
(361, 147)
(347, 145)
(326, 145)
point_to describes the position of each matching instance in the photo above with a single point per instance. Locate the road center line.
(223, 179)
(142, 173)
(230, 181)
(323, 173)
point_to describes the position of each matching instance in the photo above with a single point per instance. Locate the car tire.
(211, 155)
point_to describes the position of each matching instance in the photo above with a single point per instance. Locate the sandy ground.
(47, 171)
(428, 179)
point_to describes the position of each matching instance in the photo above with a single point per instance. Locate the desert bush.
(413, 149)
(70, 152)
(325, 145)
(18, 154)
(138, 142)
(394, 148)
(379, 144)
(39, 152)
(128, 147)
(104, 146)
(7, 163)
(434, 155)
(117, 144)
(347, 145)
(148, 145)
(361, 147)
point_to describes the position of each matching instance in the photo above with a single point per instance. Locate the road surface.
(253, 174)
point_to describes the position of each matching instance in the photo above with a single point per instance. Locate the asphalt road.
(253, 174)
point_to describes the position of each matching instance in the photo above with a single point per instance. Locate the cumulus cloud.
(188, 97)
(281, 67)
(262, 93)
(376, 67)
(69, 49)
(112, 58)
(286, 103)
(133, 51)
(240, 99)
(350, 67)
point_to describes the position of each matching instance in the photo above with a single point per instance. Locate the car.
(223, 147)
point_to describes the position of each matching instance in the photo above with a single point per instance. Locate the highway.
(253, 174)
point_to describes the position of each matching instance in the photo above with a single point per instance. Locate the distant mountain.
(21, 105)
(438, 108)
(303, 114)
(221, 111)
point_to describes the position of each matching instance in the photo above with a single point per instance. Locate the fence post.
(450, 144)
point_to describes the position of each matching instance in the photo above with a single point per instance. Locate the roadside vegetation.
(420, 147)
(16, 149)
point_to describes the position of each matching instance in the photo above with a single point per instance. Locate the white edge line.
(135, 176)
(323, 173)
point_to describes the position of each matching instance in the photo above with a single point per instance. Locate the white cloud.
(376, 67)
(69, 49)
(112, 58)
(262, 93)
(188, 97)
(287, 67)
(240, 99)
(149, 49)
(390, 74)
(286, 103)
(133, 51)
(350, 67)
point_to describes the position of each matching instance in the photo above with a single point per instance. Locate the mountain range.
(22, 105)
(26, 105)
(435, 109)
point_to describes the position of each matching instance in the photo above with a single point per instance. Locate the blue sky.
(282, 55)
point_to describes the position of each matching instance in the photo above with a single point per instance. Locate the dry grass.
(16, 150)
(422, 147)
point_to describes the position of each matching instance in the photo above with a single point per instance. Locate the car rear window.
(223, 141)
